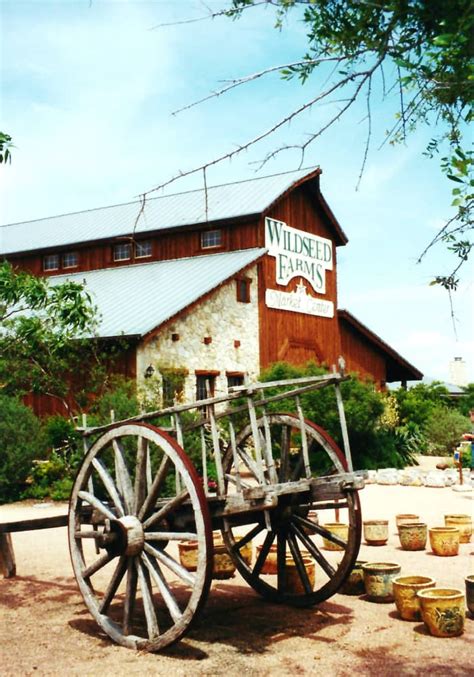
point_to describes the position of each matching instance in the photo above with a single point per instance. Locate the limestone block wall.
(218, 335)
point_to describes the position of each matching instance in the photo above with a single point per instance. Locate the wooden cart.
(138, 496)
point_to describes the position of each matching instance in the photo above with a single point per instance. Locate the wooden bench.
(7, 554)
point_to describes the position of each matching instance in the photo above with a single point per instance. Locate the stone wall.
(220, 334)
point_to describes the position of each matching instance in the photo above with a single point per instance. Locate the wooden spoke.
(298, 560)
(114, 583)
(97, 504)
(130, 596)
(98, 564)
(109, 484)
(170, 536)
(269, 538)
(172, 564)
(303, 450)
(154, 491)
(281, 561)
(123, 477)
(147, 598)
(238, 545)
(131, 530)
(140, 488)
(284, 469)
(248, 462)
(314, 551)
(166, 509)
(162, 585)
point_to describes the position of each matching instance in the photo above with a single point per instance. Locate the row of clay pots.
(416, 597)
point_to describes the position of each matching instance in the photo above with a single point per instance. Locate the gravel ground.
(45, 628)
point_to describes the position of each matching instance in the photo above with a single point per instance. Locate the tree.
(421, 49)
(5, 145)
(46, 333)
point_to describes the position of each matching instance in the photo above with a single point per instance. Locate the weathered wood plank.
(33, 524)
(7, 556)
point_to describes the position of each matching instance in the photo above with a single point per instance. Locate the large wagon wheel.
(293, 532)
(136, 496)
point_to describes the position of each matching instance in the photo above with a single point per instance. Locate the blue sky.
(87, 92)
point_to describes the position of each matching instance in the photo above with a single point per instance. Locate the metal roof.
(226, 201)
(132, 300)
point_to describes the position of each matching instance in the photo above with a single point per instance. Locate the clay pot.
(312, 516)
(246, 551)
(413, 536)
(294, 584)
(376, 532)
(354, 583)
(338, 529)
(406, 519)
(470, 594)
(461, 522)
(405, 590)
(223, 567)
(378, 578)
(443, 611)
(444, 541)
(270, 565)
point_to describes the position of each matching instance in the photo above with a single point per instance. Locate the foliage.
(120, 397)
(373, 443)
(45, 335)
(19, 444)
(5, 145)
(466, 402)
(416, 404)
(444, 429)
(423, 49)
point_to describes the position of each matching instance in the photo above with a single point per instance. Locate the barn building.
(210, 286)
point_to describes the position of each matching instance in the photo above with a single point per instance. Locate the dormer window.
(211, 239)
(143, 249)
(122, 251)
(70, 260)
(51, 262)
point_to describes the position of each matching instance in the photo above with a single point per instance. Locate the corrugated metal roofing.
(132, 300)
(171, 211)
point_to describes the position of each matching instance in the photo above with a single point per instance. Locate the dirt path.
(46, 630)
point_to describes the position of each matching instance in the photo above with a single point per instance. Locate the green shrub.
(443, 430)
(19, 445)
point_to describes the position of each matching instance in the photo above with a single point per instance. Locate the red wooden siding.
(361, 357)
(288, 336)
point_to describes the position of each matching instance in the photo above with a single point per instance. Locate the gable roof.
(133, 300)
(397, 368)
(224, 202)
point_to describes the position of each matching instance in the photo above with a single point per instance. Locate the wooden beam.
(33, 524)
(7, 556)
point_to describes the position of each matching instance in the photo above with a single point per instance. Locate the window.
(235, 380)
(205, 385)
(173, 386)
(143, 249)
(51, 262)
(122, 251)
(70, 260)
(243, 289)
(211, 238)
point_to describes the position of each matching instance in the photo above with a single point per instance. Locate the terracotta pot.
(294, 584)
(354, 583)
(470, 594)
(443, 611)
(461, 522)
(378, 577)
(188, 554)
(376, 532)
(246, 552)
(413, 536)
(270, 564)
(406, 519)
(444, 541)
(338, 529)
(223, 567)
(405, 590)
(312, 516)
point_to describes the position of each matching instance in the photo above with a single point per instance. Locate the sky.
(88, 91)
